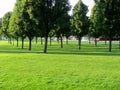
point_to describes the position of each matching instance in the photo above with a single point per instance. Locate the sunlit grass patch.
(90, 68)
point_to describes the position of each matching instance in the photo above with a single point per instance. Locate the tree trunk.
(10, 40)
(13, 41)
(105, 40)
(30, 44)
(50, 40)
(67, 40)
(36, 40)
(22, 42)
(79, 42)
(17, 41)
(61, 42)
(119, 44)
(89, 40)
(119, 41)
(110, 45)
(95, 41)
(110, 42)
(45, 45)
(58, 40)
(41, 41)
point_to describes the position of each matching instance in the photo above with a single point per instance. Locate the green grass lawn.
(91, 68)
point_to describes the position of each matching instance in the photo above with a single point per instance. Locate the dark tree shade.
(45, 14)
(106, 18)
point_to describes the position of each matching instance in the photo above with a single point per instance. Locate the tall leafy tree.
(80, 20)
(24, 25)
(16, 27)
(0, 26)
(5, 24)
(0, 23)
(29, 24)
(111, 13)
(107, 18)
(97, 21)
(68, 30)
(45, 13)
(63, 28)
(117, 16)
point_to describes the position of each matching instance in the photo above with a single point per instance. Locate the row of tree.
(105, 20)
(48, 18)
(37, 18)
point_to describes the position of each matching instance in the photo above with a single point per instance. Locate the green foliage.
(112, 16)
(16, 26)
(64, 24)
(0, 24)
(108, 15)
(46, 13)
(105, 18)
(97, 21)
(5, 24)
(80, 20)
(29, 24)
(61, 69)
(21, 25)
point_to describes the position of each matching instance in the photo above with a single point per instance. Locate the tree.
(0, 22)
(107, 18)
(29, 24)
(49, 11)
(16, 27)
(117, 23)
(111, 15)
(21, 19)
(63, 28)
(68, 30)
(5, 25)
(51, 34)
(0, 26)
(96, 24)
(80, 20)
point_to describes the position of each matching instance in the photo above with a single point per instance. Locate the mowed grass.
(91, 68)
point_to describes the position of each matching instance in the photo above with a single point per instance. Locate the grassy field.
(91, 68)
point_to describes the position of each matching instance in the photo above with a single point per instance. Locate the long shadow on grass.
(67, 51)
(87, 53)
(64, 53)
(18, 51)
(86, 50)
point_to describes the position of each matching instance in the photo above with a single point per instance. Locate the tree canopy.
(5, 24)
(46, 13)
(80, 20)
(47, 18)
